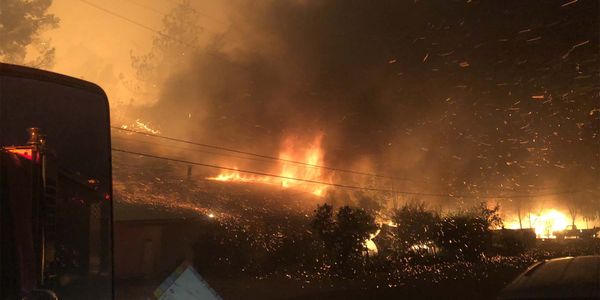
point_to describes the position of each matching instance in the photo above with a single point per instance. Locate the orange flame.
(292, 150)
(545, 223)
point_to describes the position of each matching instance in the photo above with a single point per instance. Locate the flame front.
(545, 224)
(307, 156)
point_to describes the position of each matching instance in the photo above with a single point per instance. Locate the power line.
(266, 158)
(121, 17)
(248, 158)
(334, 184)
(161, 13)
(200, 151)
(258, 155)
(216, 147)
(148, 27)
(136, 23)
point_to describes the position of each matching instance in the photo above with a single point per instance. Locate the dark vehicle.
(559, 278)
(572, 232)
(56, 193)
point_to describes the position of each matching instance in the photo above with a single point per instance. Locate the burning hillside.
(166, 192)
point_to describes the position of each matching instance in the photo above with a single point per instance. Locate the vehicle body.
(559, 278)
(55, 187)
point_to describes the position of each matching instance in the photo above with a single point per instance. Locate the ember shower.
(470, 97)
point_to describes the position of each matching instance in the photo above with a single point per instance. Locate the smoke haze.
(470, 97)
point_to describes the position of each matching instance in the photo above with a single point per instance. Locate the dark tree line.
(463, 235)
(333, 241)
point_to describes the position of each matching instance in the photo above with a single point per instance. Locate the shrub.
(415, 226)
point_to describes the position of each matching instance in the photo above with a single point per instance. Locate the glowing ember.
(292, 150)
(141, 126)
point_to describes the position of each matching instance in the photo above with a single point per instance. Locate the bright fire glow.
(370, 244)
(292, 150)
(545, 224)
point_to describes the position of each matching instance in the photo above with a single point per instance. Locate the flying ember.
(299, 162)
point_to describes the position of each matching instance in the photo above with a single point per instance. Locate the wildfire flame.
(546, 223)
(370, 244)
(292, 150)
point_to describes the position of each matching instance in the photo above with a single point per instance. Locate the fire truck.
(55, 187)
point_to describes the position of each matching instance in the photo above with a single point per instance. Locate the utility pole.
(394, 193)
(189, 172)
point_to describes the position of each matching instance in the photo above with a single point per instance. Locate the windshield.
(337, 149)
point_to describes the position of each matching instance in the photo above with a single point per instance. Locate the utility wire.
(152, 9)
(128, 140)
(334, 184)
(199, 150)
(136, 23)
(216, 147)
(222, 148)
(114, 14)
(121, 17)
(266, 158)
(257, 155)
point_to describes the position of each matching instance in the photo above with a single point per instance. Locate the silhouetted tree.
(21, 23)
(415, 225)
(354, 227)
(573, 212)
(344, 237)
(324, 225)
(468, 235)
